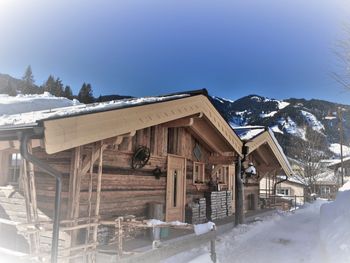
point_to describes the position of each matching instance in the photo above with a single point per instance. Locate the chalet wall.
(125, 190)
(45, 183)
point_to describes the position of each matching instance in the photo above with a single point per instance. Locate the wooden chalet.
(268, 159)
(82, 165)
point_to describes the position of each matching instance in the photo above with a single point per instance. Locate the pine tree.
(49, 85)
(58, 88)
(68, 92)
(54, 86)
(28, 86)
(85, 94)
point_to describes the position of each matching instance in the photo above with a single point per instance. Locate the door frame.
(183, 204)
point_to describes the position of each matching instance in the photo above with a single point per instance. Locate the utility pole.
(340, 115)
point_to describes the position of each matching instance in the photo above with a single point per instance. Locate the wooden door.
(176, 188)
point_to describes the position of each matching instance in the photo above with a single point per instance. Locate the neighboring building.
(326, 185)
(335, 165)
(292, 189)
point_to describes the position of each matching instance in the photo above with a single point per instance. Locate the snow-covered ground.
(304, 236)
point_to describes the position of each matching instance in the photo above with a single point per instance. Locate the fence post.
(212, 248)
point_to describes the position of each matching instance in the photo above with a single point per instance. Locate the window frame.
(284, 189)
(14, 167)
(201, 170)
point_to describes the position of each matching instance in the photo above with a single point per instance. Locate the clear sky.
(279, 49)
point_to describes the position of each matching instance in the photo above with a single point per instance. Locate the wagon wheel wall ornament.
(140, 157)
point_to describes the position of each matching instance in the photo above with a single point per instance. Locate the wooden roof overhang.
(266, 149)
(69, 132)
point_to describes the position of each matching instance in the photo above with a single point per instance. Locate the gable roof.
(326, 177)
(247, 133)
(66, 128)
(267, 137)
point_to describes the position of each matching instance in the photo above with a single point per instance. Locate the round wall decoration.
(140, 157)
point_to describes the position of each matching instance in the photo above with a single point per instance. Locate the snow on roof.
(10, 105)
(247, 133)
(295, 178)
(333, 162)
(52, 111)
(326, 177)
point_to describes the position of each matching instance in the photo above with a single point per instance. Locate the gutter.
(278, 182)
(24, 138)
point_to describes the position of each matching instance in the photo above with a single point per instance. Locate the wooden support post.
(239, 214)
(72, 181)
(33, 201)
(28, 185)
(87, 237)
(120, 236)
(74, 191)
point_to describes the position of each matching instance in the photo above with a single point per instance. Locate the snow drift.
(335, 227)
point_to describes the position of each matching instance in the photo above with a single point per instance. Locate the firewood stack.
(229, 202)
(196, 213)
(219, 204)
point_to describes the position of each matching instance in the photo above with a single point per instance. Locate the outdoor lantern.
(251, 170)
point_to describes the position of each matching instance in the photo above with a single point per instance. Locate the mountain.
(8, 84)
(297, 123)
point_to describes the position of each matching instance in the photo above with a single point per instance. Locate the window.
(172, 140)
(222, 174)
(282, 191)
(14, 167)
(325, 190)
(198, 173)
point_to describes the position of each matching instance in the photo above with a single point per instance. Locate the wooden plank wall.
(124, 190)
(45, 183)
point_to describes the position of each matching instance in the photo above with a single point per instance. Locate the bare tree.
(311, 152)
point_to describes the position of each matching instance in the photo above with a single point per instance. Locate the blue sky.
(280, 48)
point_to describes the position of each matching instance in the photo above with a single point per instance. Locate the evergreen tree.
(68, 92)
(85, 94)
(28, 86)
(49, 85)
(58, 88)
(54, 86)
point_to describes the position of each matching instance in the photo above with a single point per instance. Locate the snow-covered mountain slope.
(294, 121)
